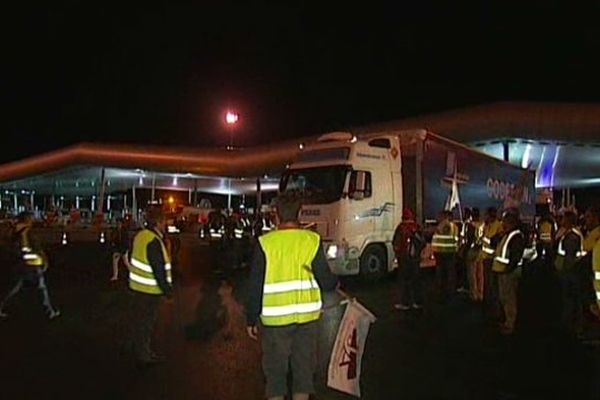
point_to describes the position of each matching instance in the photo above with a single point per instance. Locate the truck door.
(360, 192)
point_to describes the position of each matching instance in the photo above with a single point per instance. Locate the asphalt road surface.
(444, 352)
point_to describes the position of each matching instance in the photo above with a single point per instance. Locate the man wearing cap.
(31, 266)
(149, 281)
(408, 243)
(507, 263)
(589, 284)
(492, 233)
(288, 272)
(569, 252)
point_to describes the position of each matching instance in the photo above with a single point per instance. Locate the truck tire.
(373, 263)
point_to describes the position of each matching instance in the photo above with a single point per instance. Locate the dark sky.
(165, 74)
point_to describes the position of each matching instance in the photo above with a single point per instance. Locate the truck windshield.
(318, 185)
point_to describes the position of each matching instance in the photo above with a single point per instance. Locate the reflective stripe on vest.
(489, 231)
(30, 257)
(530, 253)
(501, 259)
(487, 246)
(266, 226)
(561, 250)
(291, 293)
(445, 243)
(141, 276)
(215, 233)
(545, 229)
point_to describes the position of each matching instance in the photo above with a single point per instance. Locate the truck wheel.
(373, 263)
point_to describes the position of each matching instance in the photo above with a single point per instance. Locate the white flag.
(453, 199)
(346, 357)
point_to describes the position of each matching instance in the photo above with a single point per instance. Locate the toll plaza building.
(557, 140)
(116, 180)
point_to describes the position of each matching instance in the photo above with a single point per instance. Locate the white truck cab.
(352, 192)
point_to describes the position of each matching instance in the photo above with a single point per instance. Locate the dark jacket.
(516, 247)
(326, 280)
(571, 245)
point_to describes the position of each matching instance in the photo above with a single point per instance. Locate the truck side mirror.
(358, 185)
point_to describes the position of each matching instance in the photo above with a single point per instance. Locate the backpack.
(416, 245)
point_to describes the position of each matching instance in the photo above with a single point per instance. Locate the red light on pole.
(231, 117)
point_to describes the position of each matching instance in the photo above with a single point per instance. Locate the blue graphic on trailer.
(378, 211)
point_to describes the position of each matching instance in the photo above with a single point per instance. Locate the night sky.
(165, 74)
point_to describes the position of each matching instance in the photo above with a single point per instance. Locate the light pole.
(231, 119)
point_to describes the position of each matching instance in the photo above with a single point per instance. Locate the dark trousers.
(586, 279)
(33, 276)
(572, 304)
(142, 321)
(292, 346)
(508, 285)
(445, 275)
(490, 290)
(411, 291)
(462, 274)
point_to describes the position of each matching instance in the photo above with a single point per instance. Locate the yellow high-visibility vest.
(30, 256)
(545, 230)
(489, 231)
(501, 259)
(291, 294)
(141, 276)
(478, 225)
(591, 239)
(596, 266)
(445, 242)
(561, 253)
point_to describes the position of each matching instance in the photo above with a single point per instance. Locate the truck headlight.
(332, 251)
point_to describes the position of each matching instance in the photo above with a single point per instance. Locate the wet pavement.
(443, 352)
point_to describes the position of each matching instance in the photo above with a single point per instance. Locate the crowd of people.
(485, 257)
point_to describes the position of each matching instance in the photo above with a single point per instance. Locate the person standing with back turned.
(149, 280)
(289, 270)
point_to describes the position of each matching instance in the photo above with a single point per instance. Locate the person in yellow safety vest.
(150, 280)
(466, 239)
(267, 224)
(546, 229)
(508, 259)
(444, 244)
(569, 252)
(531, 258)
(216, 221)
(587, 266)
(474, 270)
(492, 233)
(32, 265)
(289, 270)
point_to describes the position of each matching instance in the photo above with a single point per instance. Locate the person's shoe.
(3, 315)
(114, 279)
(53, 314)
(416, 306)
(401, 307)
(461, 290)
